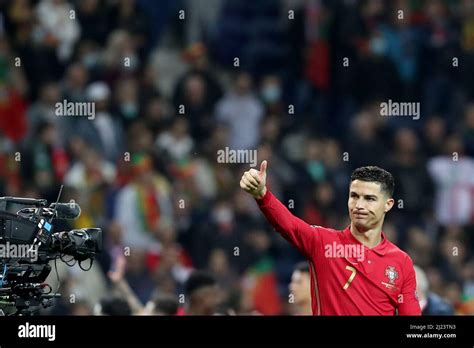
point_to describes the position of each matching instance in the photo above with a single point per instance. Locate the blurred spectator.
(143, 204)
(90, 172)
(137, 275)
(337, 172)
(254, 33)
(57, 26)
(433, 136)
(45, 160)
(414, 188)
(10, 179)
(430, 303)
(202, 295)
(320, 208)
(453, 255)
(377, 77)
(197, 56)
(242, 112)
(201, 23)
(420, 247)
(13, 103)
(120, 56)
(156, 115)
(452, 292)
(140, 139)
(271, 130)
(94, 20)
(271, 92)
(112, 306)
(75, 83)
(364, 144)
(81, 307)
(176, 144)
(163, 304)
(454, 183)
(127, 103)
(313, 164)
(104, 132)
(90, 177)
(197, 90)
(116, 276)
(219, 266)
(439, 46)
(259, 284)
(169, 257)
(300, 289)
(129, 16)
(403, 47)
(148, 84)
(44, 110)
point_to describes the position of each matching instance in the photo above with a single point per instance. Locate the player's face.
(367, 204)
(300, 287)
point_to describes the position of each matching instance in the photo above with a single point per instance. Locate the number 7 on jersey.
(351, 277)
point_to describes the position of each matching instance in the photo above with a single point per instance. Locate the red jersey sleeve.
(408, 299)
(299, 233)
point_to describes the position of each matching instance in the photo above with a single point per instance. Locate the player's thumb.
(263, 167)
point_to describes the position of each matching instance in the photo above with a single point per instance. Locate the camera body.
(27, 224)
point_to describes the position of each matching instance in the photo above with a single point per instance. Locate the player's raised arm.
(296, 231)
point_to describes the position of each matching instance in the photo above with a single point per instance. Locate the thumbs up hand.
(253, 181)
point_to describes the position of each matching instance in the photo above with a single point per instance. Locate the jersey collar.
(380, 248)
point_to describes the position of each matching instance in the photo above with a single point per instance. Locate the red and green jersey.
(347, 278)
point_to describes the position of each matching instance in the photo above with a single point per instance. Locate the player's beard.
(361, 228)
(362, 224)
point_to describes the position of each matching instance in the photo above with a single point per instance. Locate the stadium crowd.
(174, 82)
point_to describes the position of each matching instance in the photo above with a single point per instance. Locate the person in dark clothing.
(430, 303)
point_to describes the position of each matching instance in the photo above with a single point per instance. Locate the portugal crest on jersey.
(392, 274)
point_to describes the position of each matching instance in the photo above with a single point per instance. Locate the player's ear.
(389, 204)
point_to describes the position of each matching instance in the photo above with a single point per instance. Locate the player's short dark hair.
(198, 280)
(302, 267)
(375, 174)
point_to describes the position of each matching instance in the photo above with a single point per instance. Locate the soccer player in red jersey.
(356, 271)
